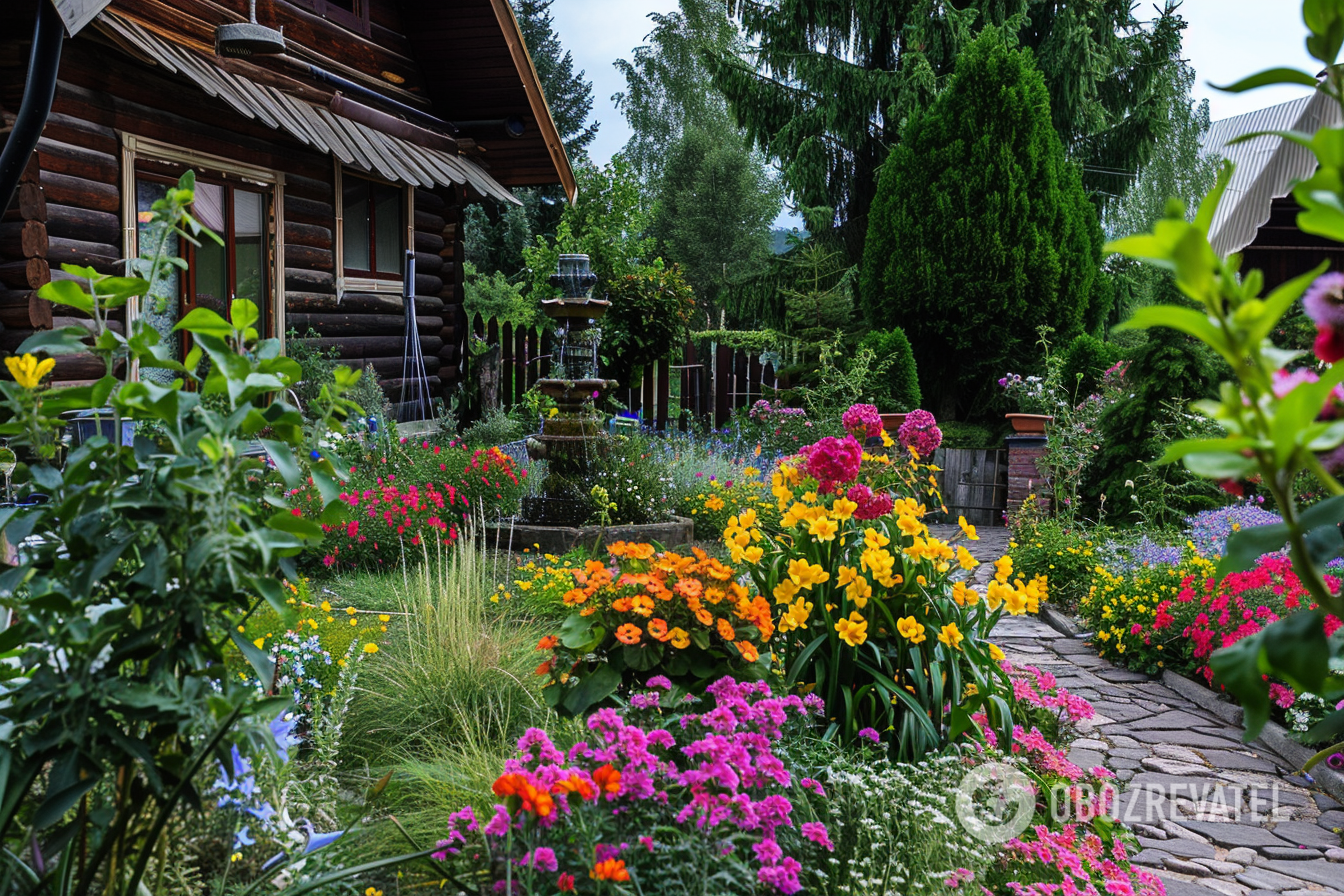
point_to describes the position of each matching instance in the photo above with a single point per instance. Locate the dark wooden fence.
(699, 385)
(974, 483)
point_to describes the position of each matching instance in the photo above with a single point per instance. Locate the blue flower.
(282, 729)
(317, 841)
(241, 839)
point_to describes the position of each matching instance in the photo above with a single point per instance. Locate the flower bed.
(410, 497)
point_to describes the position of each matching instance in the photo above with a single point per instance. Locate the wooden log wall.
(68, 210)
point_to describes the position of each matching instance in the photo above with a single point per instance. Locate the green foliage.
(716, 203)
(634, 480)
(1169, 370)
(1064, 553)
(453, 673)
(650, 311)
(494, 240)
(897, 391)
(496, 427)
(317, 366)
(495, 296)
(135, 575)
(979, 207)
(755, 341)
(827, 85)
(1083, 363)
(967, 435)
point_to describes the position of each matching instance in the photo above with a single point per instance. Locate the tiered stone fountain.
(571, 440)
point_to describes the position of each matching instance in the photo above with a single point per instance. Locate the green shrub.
(1065, 555)
(1084, 362)
(896, 389)
(967, 435)
(979, 208)
(496, 427)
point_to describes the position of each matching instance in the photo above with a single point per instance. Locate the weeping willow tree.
(824, 87)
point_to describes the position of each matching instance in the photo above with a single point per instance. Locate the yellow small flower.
(383, 617)
(951, 636)
(911, 630)
(996, 653)
(350, 611)
(370, 647)
(260, 643)
(28, 371)
(326, 606)
(854, 630)
(967, 528)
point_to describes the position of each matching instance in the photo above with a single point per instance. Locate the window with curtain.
(374, 238)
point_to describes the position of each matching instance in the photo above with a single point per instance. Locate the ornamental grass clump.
(656, 798)
(869, 615)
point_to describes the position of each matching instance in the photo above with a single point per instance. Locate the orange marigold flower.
(628, 634)
(705, 617)
(544, 668)
(607, 778)
(680, 638)
(621, 605)
(748, 651)
(508, 784)
(536, 801)
(575, 596)
(726, 630)
(689, 587)
(639, 551)
(657, 628)
(611, 869)
(575, 784)
(548, 642)
(618, 549)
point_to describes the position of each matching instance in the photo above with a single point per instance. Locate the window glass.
(390, 228)
(211, 269)
(249, 255)
(168, 282)
(356, 217)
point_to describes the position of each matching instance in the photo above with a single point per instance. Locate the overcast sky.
(1226, 40)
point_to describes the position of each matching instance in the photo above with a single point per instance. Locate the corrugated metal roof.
(353, 143)
(1266, 167)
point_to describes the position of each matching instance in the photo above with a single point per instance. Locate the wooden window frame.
(135, 148)
(357, 21)
(384, 283)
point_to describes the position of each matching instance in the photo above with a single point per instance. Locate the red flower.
(565, 883)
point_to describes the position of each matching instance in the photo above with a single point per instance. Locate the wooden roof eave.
(527, 71)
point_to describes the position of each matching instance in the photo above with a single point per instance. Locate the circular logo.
(995, 802)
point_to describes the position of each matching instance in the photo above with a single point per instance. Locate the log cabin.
(364, 135)
(1258, 215)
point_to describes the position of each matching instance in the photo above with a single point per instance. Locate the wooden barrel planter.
(974, 483)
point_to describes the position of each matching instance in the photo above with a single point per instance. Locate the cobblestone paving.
(1213, 815)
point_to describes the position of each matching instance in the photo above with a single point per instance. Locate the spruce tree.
(826, 86)
(981, 231)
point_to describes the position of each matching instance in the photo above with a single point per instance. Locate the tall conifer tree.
(827, 85)
(981, 231)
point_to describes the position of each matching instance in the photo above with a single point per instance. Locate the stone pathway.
(1213, 815)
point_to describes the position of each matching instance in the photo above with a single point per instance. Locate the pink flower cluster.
(872, 505)
(862, 421)
(1081, 860)
(920, 433)
(833, 462)
(1040, 689)
(715, 772)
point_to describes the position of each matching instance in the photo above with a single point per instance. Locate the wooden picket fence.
(697, 386)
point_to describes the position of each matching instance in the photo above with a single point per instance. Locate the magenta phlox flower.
(834, 462)
(817, 833)
(862, 421)
(919, 433)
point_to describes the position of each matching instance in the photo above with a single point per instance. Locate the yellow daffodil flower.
(965, 560)
(854, 630)
(967, 528)
(28, 371)
(843, 508)
(911, 630)
(846, 575)
(909, 525)
(951, 636)
(859, 591)
(823, 529)
(875, 539)
(996, 653)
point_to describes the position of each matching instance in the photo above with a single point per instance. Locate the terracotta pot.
(1029, 424)
(892, 422)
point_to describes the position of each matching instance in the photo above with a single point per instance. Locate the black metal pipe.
(345, 85)
(38, 94)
